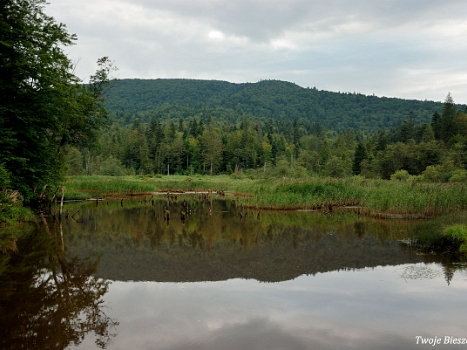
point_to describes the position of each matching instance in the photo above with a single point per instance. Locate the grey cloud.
(409, 49)
(263, 20)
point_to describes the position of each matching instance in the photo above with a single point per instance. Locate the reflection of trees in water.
(462, 268)
(137, 241)
(428, 269)
(218, 243)
(49, 299)
(200, 227)
(424, 271)
(420, 271)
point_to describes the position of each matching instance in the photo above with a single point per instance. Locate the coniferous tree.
(360, 155)
(436, 125)
(181, 127)
(272, 143)
(426, 133)
(296, 138)
(448, 125)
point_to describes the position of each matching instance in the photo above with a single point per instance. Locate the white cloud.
(217, 35)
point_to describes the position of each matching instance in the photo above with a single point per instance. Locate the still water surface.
(229, 278)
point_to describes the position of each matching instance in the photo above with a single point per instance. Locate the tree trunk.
(61, 203)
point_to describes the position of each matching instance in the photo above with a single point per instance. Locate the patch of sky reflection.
(377, 308)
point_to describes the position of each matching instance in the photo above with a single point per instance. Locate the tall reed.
(373, 196)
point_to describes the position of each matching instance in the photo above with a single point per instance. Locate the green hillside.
(270, 99)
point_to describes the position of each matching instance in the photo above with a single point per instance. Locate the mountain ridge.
(268, 99)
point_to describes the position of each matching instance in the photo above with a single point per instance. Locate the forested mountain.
(172, 99)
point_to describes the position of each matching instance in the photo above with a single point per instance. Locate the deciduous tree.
(43, 105)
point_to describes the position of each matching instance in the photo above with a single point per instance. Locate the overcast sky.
(415, 49)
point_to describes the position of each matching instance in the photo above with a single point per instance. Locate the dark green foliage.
(43, 107)
(296, 138)
(271, 99)
(359, 157)
(160, 147)
(407, 129)
(33, 73)
(436, 125)
(448, 125)
(4, 178)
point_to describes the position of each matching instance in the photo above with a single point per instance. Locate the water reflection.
(50, 299)
(359, 309)
(218, 240)
(197, 282)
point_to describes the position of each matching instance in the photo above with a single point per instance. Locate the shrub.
(299, 172)
(283, 167)
(401, 175)
(336, 167)
(432, 174)
(458, 175)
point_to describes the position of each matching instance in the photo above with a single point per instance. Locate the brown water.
(225, 278)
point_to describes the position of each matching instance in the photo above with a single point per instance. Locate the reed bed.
(374, 197)
(444, 234)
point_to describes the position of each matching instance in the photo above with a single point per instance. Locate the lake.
(188, 273)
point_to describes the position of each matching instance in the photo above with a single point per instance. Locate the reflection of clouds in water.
(254, 334)
(463, 273)
(364, 309)
(265, 334)
(421, 271)
(461, 268)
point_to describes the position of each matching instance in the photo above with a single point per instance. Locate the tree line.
(202, 145)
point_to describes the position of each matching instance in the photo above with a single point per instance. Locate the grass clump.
(444, 234)
(456, 236)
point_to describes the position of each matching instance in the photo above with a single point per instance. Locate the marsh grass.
(446, 233)
(404, 198)
(456, 236)
(83, 186)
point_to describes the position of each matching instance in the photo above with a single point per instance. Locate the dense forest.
(171, 99)
(191, 131)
